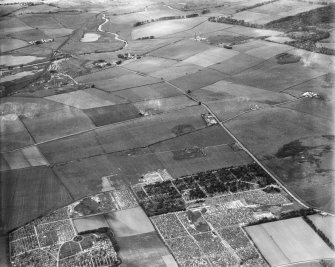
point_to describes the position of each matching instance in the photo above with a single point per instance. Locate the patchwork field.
(288, 241)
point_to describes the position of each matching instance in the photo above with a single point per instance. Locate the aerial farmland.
(167, 133)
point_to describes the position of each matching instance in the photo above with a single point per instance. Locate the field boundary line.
(303, 82)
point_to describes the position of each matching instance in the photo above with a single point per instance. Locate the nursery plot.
(14, 134)
(211, 56)
(11, 44)
(149, 92)
(147, 130)
(198, 79)
(112, 114)
(131, 80)
(69, 148)
(296, 241)
(181, 50)
(105, 74)
(149, 64)
(161, 28)
(129, 222)
(58, 124)
(30, 192)
(87, 99)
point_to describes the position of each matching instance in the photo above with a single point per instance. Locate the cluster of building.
(37, 42)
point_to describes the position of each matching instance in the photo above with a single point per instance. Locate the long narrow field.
(288, 241)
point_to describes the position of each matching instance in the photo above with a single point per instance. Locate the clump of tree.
(287, 58)
(229, 20)
(205, 11)
(146, 37)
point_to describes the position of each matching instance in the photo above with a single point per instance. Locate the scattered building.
(209, 119)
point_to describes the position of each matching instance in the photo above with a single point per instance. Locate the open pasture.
(103, 45)
(279, 126)
(30, 192)
(198, 79)
(211, 56)
(176, 71)
(162, 28)
(112, 114)
(213, 158)
(148, 92)
(238, 93)
(181, 50)
(269, 75)
(87, 99)
(27, 157)
(105, 74)
(29, 35)
(324, 223)
(71, 148)
(251, 32)
(58, 32)
(129, 222)
(11, 44)
(255, 17)
(10, 60)
(149, 64)
(322, 85)
(57, 124)
(12, 25)
(90, 223)
(207, 137)
(72, 20)
(144, 250)
(126, 81)
(288, 241)
(83, 177)
(148, 45)
(13, 133)
(41, 21)
(237, 64)
(148, 130)
(156, 106)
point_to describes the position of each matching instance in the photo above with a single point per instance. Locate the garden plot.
(211, 56)
(87, 99)
(13, 25)
(112, 114)
(130, 80)
(147, 130)
(181, 50)
(11, 44)
(161, 28)
(129, 222)
(269, 75)
(176, 71)
(144, 250)
(14, 135)
(105, 74)
(34, 192)
(149, 64)
(288, 241)
(58, 124)
(69, 148)
(148, 92)
(198, 79)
